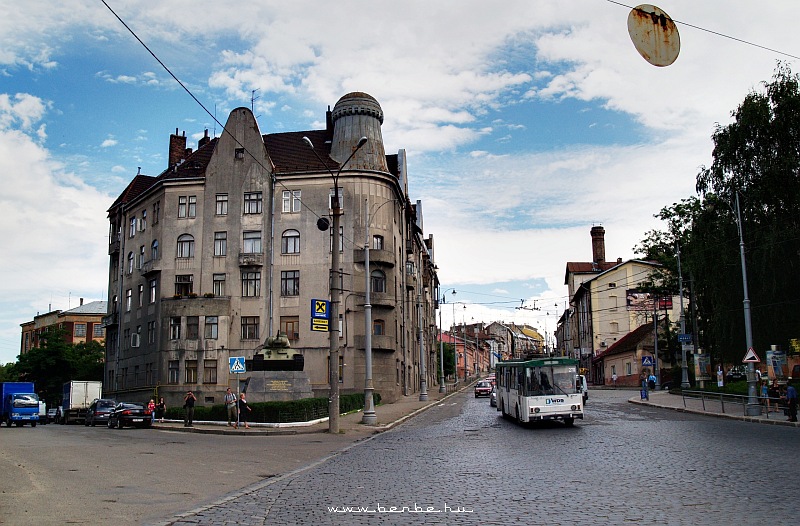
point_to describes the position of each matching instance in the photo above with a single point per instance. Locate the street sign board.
(319, 325)
(236, 364)
(685, 338)
(320, 309)
(647, 361)
(751, 356)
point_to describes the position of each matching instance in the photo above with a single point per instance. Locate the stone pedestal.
(267, 386)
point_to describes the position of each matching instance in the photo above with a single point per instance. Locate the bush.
(302, 410)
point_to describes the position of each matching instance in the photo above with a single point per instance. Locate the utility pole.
(684, 346)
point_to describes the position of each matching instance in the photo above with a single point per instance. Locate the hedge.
(302, 410)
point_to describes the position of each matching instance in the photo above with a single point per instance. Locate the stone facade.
(223, 249)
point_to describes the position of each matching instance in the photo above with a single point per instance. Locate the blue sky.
(525, 123)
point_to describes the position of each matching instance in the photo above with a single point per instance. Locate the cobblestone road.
(461, 463)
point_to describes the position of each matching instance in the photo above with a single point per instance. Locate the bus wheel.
(503, 409)
(516, 413)
(569, 421)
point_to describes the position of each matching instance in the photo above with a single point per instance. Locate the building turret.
(358, 115)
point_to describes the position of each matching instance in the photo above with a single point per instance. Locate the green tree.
(8, 372)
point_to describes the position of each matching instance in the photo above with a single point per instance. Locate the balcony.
(149, 268)
(251, 260)
(111, 320)
(382, 300)
(380, 342)
(381, 257)
(113, 246)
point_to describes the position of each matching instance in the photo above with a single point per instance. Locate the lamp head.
(308, 142)
(361, 142)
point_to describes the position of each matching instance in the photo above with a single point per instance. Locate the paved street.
(459, 462)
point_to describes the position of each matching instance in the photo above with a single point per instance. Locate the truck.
(20, 404)
(78, 396)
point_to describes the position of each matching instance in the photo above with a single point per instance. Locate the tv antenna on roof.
(654, 34)
(253, 100)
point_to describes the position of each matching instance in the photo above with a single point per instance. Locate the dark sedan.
(99, 412)
(129, 414)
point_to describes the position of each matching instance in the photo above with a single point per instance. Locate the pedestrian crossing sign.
(647, 361)
(237, 364)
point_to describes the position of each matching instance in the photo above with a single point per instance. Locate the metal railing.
(736, 403)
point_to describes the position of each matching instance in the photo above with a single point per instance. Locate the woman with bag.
(243, 410)
(161, 409)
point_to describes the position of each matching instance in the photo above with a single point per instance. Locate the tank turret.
(276, 354)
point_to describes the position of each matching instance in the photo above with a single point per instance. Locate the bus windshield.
(541, 381)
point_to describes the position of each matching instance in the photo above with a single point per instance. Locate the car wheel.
(569, 421)
(86, 423)
(119, 424)
(110, 424)
(33, 424)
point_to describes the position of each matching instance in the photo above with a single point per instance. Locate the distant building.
(82, 324)
(228, 246)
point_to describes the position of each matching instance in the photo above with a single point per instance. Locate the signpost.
(320, 315)
(237, 366)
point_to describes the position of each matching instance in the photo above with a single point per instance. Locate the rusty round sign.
(654, 34)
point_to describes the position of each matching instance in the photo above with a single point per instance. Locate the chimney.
(598, 244)
(177, 148)
(202, 142)
(81, 305)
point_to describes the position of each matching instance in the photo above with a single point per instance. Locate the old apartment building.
(81, 324)
(226, 247)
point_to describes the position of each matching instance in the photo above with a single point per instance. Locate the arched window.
(290, 242)
(130, 262)
(154, 250)
(378, 327)
(185, 246)
(378, 281)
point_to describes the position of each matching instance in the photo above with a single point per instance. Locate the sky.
(525, 123)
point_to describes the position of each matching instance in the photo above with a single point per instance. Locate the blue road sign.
(647, 361)
(684, 338)
(236, 364)
(320, 309)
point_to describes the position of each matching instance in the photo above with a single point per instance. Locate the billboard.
(639, 301)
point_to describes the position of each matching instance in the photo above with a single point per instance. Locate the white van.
(582, 387)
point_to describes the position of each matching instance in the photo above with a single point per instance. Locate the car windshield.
(26, 400)
(484, 384)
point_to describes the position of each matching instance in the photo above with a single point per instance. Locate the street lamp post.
(753, 407)
(442, 387)
(335, 289)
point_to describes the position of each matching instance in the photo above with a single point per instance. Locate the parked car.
(129, 414)
(736, 374)
(493, 397)
(483, 388)
(99, 412)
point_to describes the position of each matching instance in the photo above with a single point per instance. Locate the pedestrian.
(230, 404)
(643, 384)
(151, 407)
(791, 398)
(161, 409)
(651, 382)
(243, 410)
(614, 379)
(765, 394)
(188, 404)
(775, 394)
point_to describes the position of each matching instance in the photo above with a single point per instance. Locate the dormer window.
(239, 154)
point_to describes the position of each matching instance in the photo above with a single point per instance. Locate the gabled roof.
(590, 267)
(627, 343)
(290, 154)
(93, 307)
(136, 187)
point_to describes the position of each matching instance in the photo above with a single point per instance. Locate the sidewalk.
(388, 416)
(666, 400)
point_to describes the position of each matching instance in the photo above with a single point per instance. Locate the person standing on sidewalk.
(791, 399)
(188, 404)
(243, 410)
(230, 404)
(151, 406)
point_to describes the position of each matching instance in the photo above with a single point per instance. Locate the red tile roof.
(627, 343)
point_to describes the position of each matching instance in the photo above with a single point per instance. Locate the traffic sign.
(751, 357)
(647, 361)
(320, 309)
(685, 338)
(236, 364)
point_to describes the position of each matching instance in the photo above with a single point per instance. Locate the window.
(175, 328)
(290, 283)
(185, 246)
(238, 154)
(330, 199)
(290, 242)
(220, 243)
(141, 257)
(341, 238)
(192, 206)
(151, 332)
(341, 368)
(291, 201)
(191, 371)
(192, 327)
(209, 371)
(183, 284)
(152, 291)
(219, 284)
(290, 326)
(614, 327)
(130, 262)
(182, 206)
(410, 268)
(80, 330)
(173, 371)
(98, 331)
(128, 298)
(222, 205)
(252, 202)
(154, 250)
(156, 211)
(251, 284)
(377, 242)
(143, 222)
(378, 327)
(148, 373)
(141, 294)
(628, 369)
(249, 327)
(251, 242)
(378, 281)
(211, 328)
(133, 227)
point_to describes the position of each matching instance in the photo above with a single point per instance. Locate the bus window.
(547, 387)
(534, 388)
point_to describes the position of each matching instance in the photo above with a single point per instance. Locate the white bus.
(539, 389)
